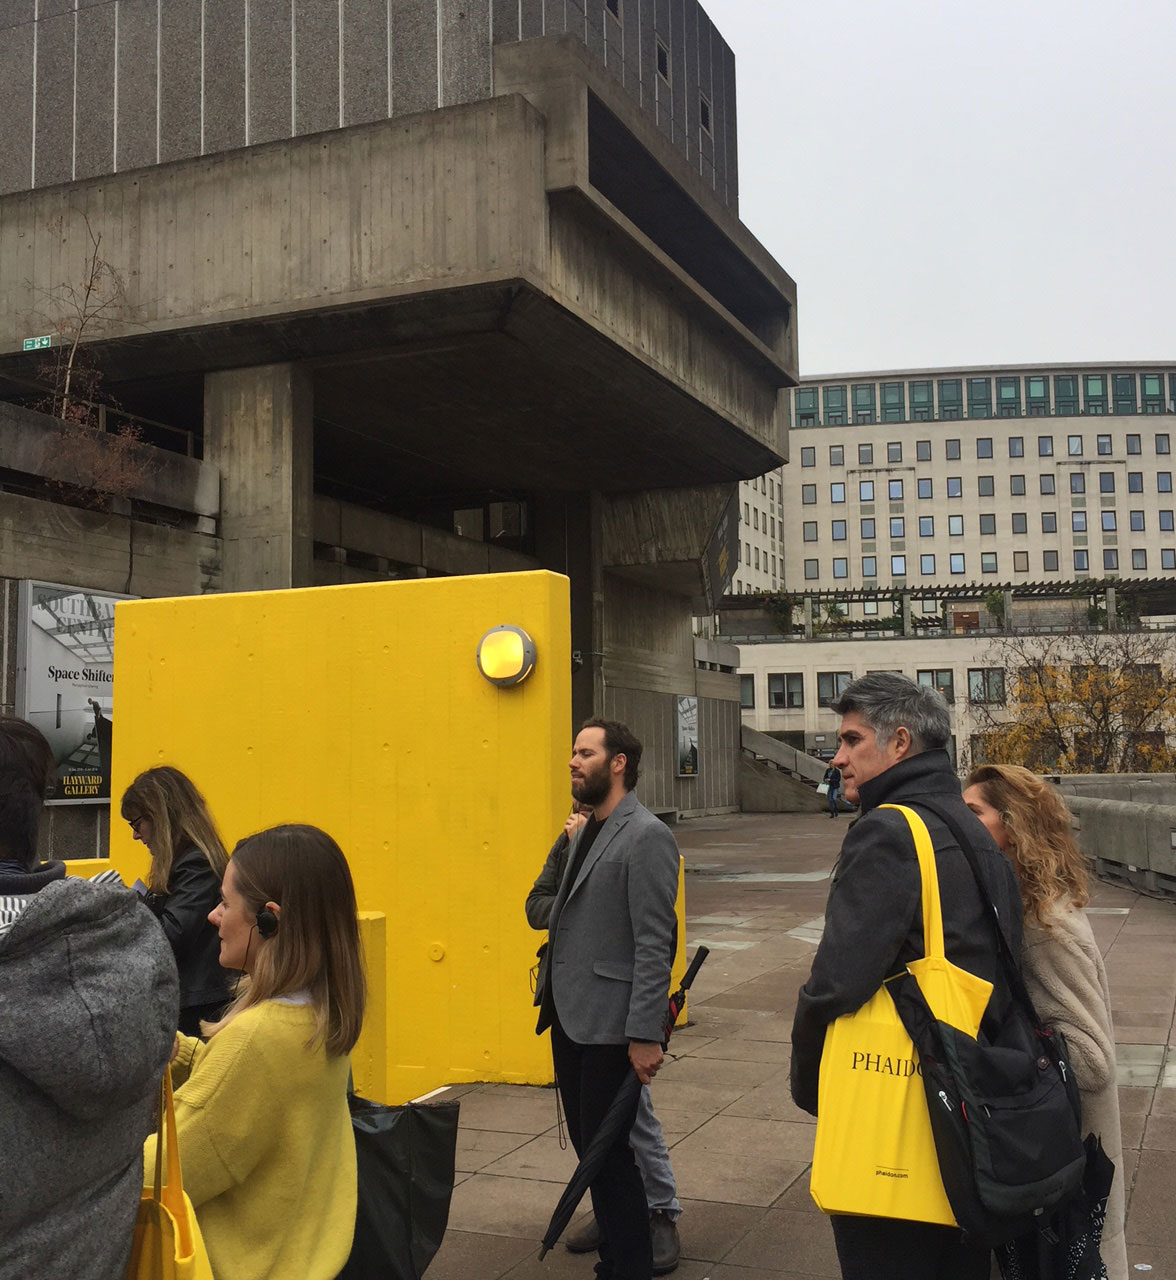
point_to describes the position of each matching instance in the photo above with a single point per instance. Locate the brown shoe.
(666, 1247)
(586, 1239)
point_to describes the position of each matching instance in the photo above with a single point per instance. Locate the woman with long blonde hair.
(169, 816)
(262, 1114)
(1061, 962)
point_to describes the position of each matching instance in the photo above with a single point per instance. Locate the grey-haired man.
(893, 749)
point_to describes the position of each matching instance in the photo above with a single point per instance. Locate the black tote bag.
(405, 1157)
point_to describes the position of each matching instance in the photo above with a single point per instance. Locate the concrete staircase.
(776, 778)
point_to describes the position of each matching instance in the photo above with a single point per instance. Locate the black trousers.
(887, 1249)
(589, 1076)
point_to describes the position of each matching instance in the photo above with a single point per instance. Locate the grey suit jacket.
(612, 933)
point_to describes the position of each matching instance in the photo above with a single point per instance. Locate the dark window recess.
(621, 169)
(663, 62)
(704, 114)
(614, 7)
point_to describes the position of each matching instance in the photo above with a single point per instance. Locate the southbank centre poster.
(65, 674)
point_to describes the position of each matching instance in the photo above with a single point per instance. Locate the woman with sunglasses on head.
(170, 817)
(1061, 962)
(262, 1114)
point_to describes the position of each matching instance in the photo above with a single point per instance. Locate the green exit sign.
(38, 344)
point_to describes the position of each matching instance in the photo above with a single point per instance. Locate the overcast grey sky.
(963, 181)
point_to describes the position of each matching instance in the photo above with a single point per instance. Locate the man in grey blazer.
(611, 944)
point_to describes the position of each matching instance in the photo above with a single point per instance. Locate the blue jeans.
(831, 797)
(653, 1159)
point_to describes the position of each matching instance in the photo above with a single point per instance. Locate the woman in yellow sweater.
(264, 1128)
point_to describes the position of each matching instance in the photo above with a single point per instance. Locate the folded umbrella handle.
(699, 956)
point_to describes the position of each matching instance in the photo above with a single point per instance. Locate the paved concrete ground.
(755, 891)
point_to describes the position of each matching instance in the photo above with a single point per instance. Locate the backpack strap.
(1010, 963)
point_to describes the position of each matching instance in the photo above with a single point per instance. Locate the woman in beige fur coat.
(1062, 964)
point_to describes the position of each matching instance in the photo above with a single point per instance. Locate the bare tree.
(96, 460)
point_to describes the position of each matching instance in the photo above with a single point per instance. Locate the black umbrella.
(620, 1107)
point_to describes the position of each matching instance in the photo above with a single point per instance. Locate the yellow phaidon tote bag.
(167, 1243)
(874, 1152)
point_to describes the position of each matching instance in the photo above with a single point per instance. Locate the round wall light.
(506, 655)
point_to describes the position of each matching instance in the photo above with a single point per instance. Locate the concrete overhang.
(467, 323)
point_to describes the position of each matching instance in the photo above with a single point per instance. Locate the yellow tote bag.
(874, 1152)
(167, 1242)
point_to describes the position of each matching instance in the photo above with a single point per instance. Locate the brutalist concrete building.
(409, 288)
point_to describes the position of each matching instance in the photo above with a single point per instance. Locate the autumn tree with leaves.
(1083, 702)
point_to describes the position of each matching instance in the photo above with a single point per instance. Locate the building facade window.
(1106, 482)
(1045, 446)
(926, 489)
(986, 684)
(1163, 482)
(1110, 559)
(1008, 397)
(1049, 561)
(839, 530)
(1074, 446)
(786, 691)
(988, 523)
(1049, 522)
(868, 533)
(840, 567)
(923, 450)
(941, 678)
(835, 406)
(865, 491)
(831, 685)
(955, 487)
(1078, 521)
(1017, 486)
(1153, 393)
(1163, 442)
(1094, 388)
(1134, 444)
(951, 399)
(1066, 396)
(1168, 557)
(869, 566)
(1134, 481)
(812, 570)
(898, 566)
(955, 526)
(1016, 446)
(985, 486)
(1138, 559)
(927, 565)
(808, 494)
(1081, 561)
(893, 402)
(865, 455)
(926, 526)
(1077, 482)
(747, 692)
(922, 409)
(837, 492)
(1047, 483)
(951, 450)
(894, 488)
(1137, 521)
(1124, 388)
(1102, 446)
(894, 451)
(1020, 522)
(984, 447)
(897, 527)
(1037, 396)
(809, 530)
(988, 562)
(1109, 522)
(864, 403)
(1020, 561)
(808, 456)
(1165, 517)
(956, 562)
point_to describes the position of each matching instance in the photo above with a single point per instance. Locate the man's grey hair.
(886, 700)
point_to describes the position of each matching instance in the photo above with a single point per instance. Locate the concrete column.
(259, 430)
(1008, 611)
(808, 617)
(1112, 610)
(905, 606)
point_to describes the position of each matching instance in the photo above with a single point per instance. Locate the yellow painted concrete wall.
(360, 709)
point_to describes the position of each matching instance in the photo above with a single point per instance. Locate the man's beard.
(593, 788)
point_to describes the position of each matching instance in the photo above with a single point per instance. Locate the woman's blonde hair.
(1049, 864)
(179, 818)
(315, 947)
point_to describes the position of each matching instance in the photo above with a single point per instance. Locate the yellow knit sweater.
(266, 1146)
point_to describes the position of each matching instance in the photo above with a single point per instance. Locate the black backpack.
(1005, 1112)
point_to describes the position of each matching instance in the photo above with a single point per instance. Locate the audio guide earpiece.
(267, 923)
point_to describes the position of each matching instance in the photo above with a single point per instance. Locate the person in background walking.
(1062, 964)
(168, 815)
(646, 1138)
(832, 780)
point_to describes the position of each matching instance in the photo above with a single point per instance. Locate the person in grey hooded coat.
(89, 1000)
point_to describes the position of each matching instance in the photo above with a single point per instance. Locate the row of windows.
(925, 399)
(786, 691)
(929, 563)
(1075, 448)
(757, 520)
(870, 490)
(1080, 522)
(752, 556)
